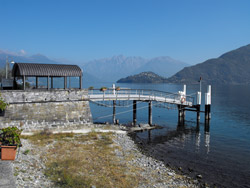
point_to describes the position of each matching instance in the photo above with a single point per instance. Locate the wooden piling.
(150, 118)
(65, 82)
(181, 113)
(134, 112)
(198, 106)
(207, 126)
(51, 82)
(24, 82)
(208, 103)
(114, 113)
(198, 109)
(48, 83)
(207, 112)
(36, 82)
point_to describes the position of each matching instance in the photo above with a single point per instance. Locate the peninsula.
(144, 77)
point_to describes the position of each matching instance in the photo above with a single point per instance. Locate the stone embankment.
(30, 165)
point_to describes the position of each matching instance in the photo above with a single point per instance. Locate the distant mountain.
(144, 77)
(231, 68)
(86, 77)
(164, 66)
(112, 69)
(38, 58)
(107, 69)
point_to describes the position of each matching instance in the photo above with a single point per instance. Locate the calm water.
(219, 152)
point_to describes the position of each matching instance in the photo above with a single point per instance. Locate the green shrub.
(10, 136)
(3, 104)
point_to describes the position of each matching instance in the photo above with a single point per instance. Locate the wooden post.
(114, 105)
(134, 112)
(69, 83)
(14, 83)
(36, 82)
(51, 82)
(207, 112)
(207, 126)
(65, 82)
(198, 106)
(208, 103)
(48, 83)
(181, 113)
(23, 82)
(80, 82)
(150, 117)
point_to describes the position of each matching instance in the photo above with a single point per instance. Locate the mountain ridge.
(116, 67)
(232, 67)
(107, 69)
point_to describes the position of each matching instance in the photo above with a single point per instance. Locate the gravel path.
(29, 167)
(6, 175)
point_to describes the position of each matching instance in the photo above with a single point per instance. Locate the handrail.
(128, 93)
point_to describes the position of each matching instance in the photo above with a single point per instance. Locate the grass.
(26, 152)
(79, 161)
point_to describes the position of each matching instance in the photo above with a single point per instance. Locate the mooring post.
(134, 112)
(180, 113)
(207, 126)
(114, 104)
(184, 90)
(150, 118)
(208, 103)
(198, 106)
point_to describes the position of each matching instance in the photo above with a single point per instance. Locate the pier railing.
(141, 95)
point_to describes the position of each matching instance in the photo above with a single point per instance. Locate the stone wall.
(46, 109)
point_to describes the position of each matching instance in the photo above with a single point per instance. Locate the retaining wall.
(46, 109)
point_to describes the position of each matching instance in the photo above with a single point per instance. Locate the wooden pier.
(183, 101)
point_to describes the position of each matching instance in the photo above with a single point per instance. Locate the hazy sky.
(187, 30)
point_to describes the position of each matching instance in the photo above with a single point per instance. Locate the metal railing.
(140, 94)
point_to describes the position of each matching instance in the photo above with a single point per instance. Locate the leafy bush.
(10, 136)
(3, 104)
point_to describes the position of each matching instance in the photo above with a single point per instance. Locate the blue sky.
(188, 30)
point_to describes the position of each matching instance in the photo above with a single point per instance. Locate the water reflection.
(207, 134)
(197, 137)
(180, 137)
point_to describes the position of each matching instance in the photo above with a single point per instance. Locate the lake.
(220, 152)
